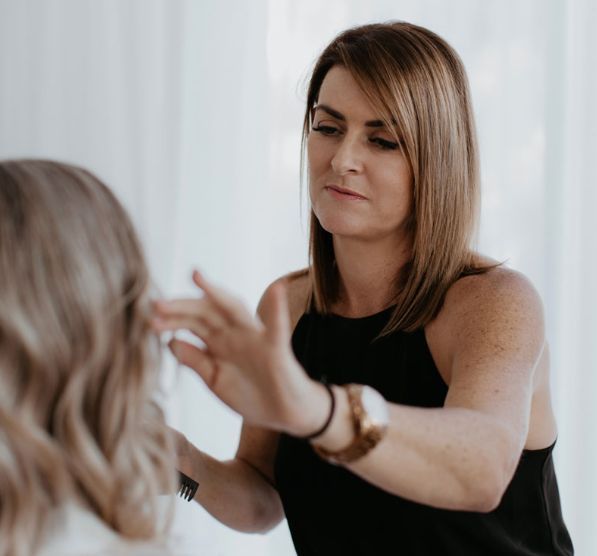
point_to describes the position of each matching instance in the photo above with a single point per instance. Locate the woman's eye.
(326, 130)
(384, 143)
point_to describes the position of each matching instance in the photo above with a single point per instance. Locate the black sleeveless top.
(331, 511)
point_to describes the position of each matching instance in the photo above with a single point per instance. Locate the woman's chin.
(342, 227)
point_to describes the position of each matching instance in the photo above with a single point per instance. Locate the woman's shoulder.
(495, 309)
(496, 281)
(497, 290)
(297, 285)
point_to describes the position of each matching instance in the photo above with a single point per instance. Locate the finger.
(196, 359)
(233, 309)
(275, 314)
(197, 326)
(203, 308)
(183, 312)
(215, 342)
(172, 307)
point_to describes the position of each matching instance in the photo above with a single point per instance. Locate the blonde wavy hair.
(78, 362)
(418, 85)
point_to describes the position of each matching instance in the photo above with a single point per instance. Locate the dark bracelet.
(320, 431)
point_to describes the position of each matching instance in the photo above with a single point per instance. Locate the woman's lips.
(344, 194)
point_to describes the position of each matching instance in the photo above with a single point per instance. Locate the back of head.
(78, 362)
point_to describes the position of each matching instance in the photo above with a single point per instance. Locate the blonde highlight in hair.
(418, 85)
(78, 361)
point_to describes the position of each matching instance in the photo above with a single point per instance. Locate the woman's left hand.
(247, 362)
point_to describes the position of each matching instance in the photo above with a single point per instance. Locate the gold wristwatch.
(369, 414)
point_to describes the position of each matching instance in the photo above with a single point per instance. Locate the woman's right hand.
(247, 361)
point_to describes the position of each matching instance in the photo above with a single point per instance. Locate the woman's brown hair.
(418, 85)
(78, 360)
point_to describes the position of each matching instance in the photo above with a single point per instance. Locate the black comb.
(188, 487)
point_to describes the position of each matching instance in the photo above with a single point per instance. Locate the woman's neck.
(368, 272)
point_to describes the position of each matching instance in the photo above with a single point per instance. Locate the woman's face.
(360, 183)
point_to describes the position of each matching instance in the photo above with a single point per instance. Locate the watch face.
(375, 406)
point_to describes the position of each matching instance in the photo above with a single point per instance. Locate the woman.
(84, 450)
(395, 394)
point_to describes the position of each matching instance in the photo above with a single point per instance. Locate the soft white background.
(191, 111)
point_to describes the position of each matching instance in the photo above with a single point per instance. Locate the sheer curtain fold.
(98, 84)
(570, 261)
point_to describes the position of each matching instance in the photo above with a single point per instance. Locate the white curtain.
(98, 84)
(191, 111)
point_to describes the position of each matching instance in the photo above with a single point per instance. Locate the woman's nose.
(348, 159)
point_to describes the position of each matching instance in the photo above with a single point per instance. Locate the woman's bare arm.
(240, 492)
(463, 456)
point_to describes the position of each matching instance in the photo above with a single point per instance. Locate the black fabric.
(332, 511)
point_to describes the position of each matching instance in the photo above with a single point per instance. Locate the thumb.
(276, 314)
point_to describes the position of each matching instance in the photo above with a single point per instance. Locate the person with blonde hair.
(395, 393)
(84, 449)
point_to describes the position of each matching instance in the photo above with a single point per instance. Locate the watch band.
(367, 432)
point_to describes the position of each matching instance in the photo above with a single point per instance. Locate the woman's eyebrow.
(341, 117)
